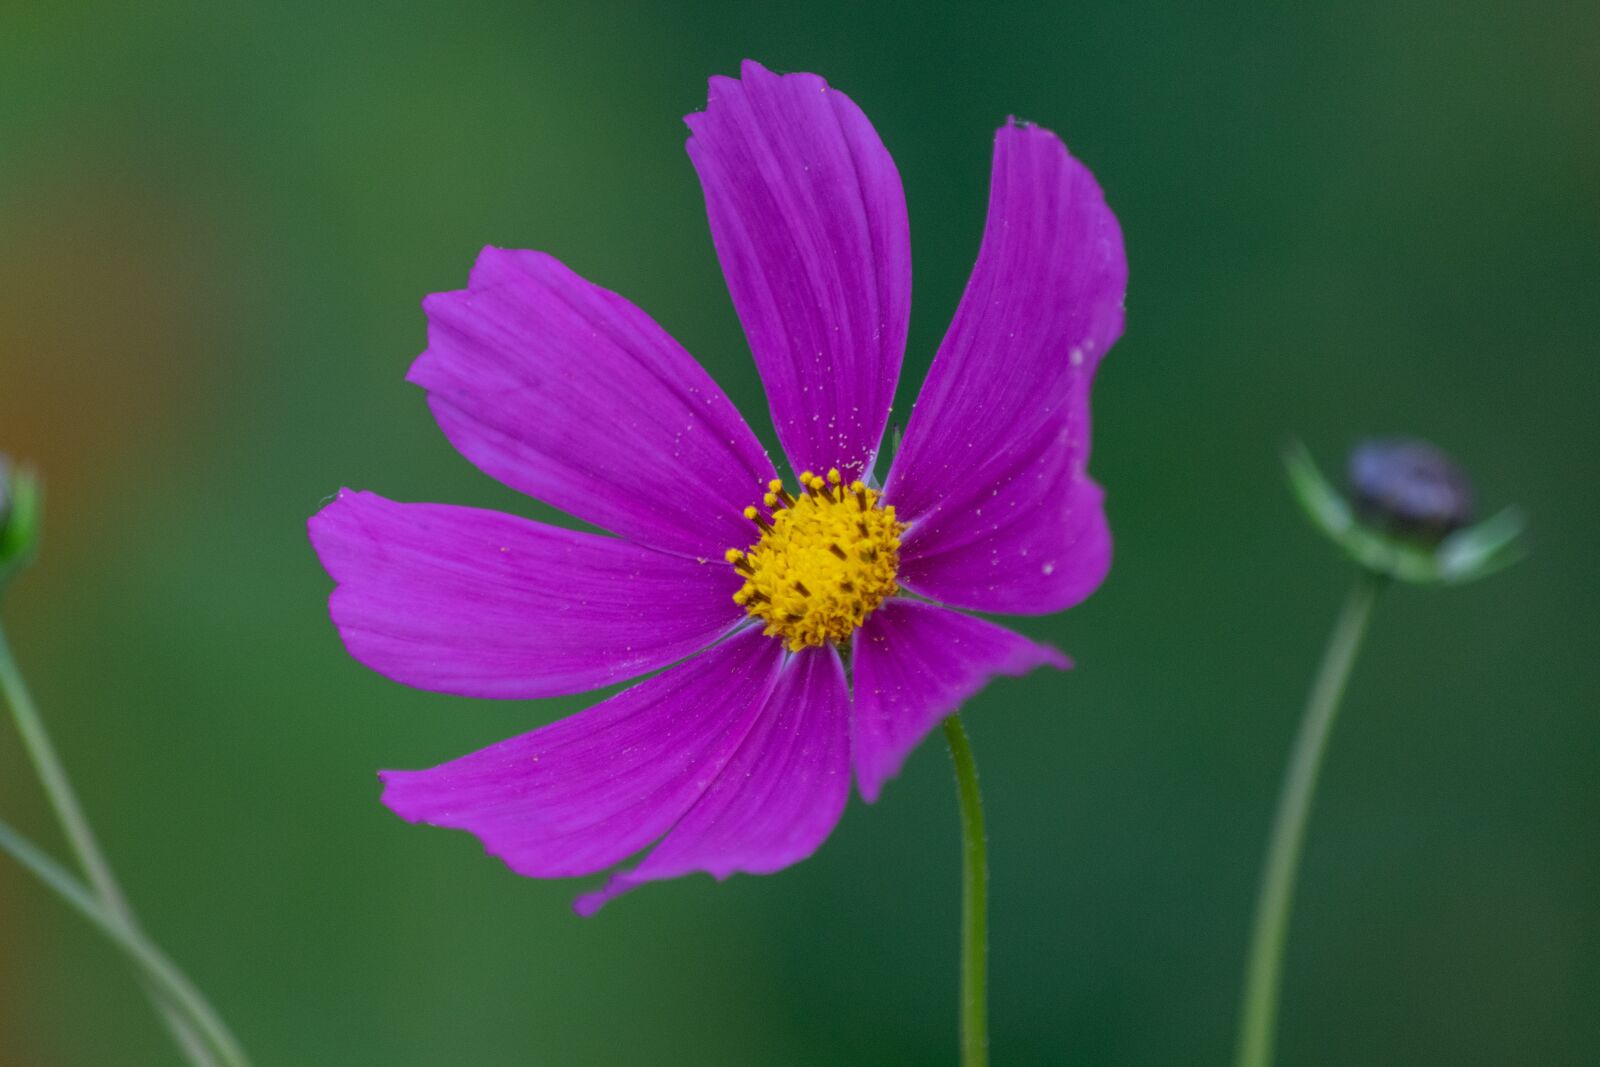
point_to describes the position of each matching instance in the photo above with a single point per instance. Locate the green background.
(216, 223)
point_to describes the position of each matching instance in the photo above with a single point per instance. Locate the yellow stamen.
(823, 563)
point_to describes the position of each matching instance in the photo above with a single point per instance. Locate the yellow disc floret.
(824, 561)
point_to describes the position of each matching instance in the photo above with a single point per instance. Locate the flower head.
(839, 539)
(752, 591)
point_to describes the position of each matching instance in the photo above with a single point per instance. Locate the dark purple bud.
(1409, 487)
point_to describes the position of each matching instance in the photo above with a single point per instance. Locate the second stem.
(75, 825)
(1258, 1019)
(974, 900)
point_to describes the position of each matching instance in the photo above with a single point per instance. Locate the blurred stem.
(974, 900)
(1259, 1013)
(82, 840)
(160, 973)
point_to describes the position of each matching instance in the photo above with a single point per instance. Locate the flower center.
(824, 562)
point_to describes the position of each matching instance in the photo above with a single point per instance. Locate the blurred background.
(216, 223)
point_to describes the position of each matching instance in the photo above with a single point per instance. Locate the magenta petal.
(809, 221)
(1038, 543)
(490, 605)
(916, 663)
(777, 800)
(584, 793)
(571, 394)
(992, 474)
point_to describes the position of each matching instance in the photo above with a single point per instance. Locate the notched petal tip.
(1049, 656)
(398, 796)
(496, 265)
(585, 906)
(753, 70)
(723, 88)
(333, 521)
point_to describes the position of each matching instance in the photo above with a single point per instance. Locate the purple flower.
(807, 630)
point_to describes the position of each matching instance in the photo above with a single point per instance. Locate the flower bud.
(1407, 514)
(19, 518)
(1410, 488)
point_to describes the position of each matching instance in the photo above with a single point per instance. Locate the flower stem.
(1259, 1013)
(974, 900)
(160, 973)
(180, 1017)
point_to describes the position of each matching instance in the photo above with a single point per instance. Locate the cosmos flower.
(809, 628)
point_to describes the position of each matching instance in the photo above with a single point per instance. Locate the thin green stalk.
(1259, 1013)
(53, 776)
(162, 974)
(974, 900)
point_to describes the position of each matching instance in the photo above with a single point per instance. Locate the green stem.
(53, 776)
(974, 901)
(1259, 1013)
(161, 973)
